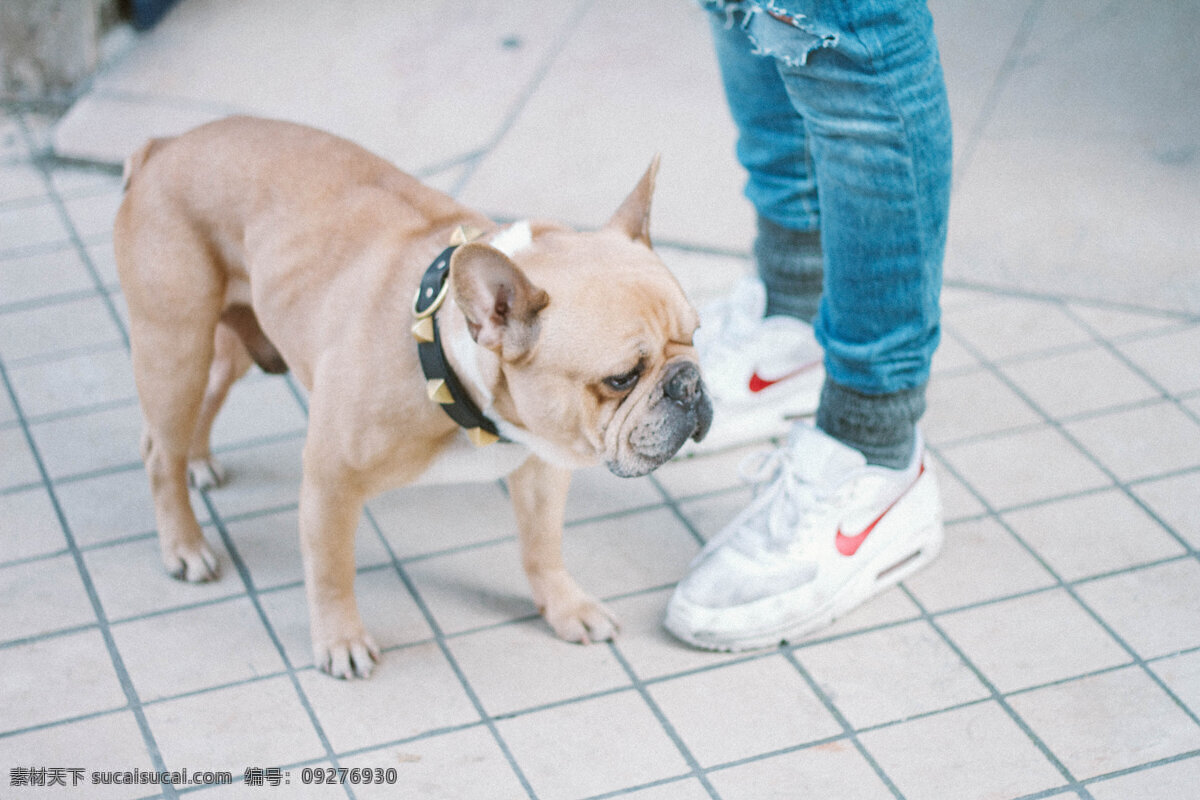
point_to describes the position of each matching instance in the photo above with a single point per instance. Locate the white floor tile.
(1174, 779)
(224, 729)
(226, 643)
(1078, 382)
(131, 581)
(955, 401)
(113, 505)
(719, 713)
(1170, 359)
(646, 645)
(18, 466)
(57, 678)
(43, 274)
(269, 546)
(31, 528)
(979, 561)
(388, 611)
(429, 519)
(972, 752)
(871, 683)
(1144, 442)
(516, 667)
(1108, 722)
(42, 596)
(412, 691)
(1092, 534)
(835, 769)
(463, 765)
(1024, 467)
(568, 751)
(1156, 610)
(92, 442)
(1033, 640)
(1181, 674)
(111, 743)
(57, 328)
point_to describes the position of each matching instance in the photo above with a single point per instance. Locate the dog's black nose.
(683, 385)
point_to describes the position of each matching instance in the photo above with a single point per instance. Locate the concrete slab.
(1085, 180)
(634, 79)
(422, 84)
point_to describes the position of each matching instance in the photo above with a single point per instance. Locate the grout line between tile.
(1067, 586)
(1058, 427)
(440, 639)
(640, 687)
(471, 166)
(998, 697)
(849, 731)
(1117, 353)
(992, 98)
(244, 574)
(1143, 767)
(81, 247)
(628, 790)
(1167, 315)
(118, 663)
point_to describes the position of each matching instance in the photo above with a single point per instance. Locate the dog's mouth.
(683, 412)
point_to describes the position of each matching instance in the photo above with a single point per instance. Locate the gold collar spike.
(422, 330)
(438, 391)
(465, 234)
(481, 438)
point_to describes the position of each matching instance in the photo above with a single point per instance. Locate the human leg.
(866, 80)
(848, 509)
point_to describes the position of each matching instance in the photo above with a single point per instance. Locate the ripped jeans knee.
(788, 35)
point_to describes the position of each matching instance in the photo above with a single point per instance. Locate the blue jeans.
(844, 129)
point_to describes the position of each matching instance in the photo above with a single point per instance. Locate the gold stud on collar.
(439, 392)
(464, 234)
(481, 438)
(422, 331)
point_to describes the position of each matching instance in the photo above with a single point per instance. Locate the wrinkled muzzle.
(679, 410)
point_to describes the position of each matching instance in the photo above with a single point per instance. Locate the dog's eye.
(624, 382)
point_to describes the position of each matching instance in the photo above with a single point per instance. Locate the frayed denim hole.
(790, 43)
(734, 13)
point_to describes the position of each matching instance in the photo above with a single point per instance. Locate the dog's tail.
(134, 164)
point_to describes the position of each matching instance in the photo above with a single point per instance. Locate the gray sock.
(881, 427)
(790, 266)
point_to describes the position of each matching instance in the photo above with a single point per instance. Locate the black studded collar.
(441, 384)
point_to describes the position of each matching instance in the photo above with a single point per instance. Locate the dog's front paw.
(350, 657)
(584, 622)
(206, 473)
(196, 564)
(573, 614)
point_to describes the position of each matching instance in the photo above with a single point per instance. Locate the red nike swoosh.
(848, 545)
(759, 383)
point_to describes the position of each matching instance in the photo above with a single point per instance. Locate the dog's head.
(594, 341)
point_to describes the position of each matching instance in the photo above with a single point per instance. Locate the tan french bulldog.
(255, 240)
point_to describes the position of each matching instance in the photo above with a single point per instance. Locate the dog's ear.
(633, 217)
(499, 302)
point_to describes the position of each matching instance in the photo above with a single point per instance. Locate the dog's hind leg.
(175, 293)
(171, 386)
(238, 342)
(230, 362)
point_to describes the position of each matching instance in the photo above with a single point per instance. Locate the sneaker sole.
(886, 570)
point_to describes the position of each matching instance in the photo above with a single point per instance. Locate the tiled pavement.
(1053, 650)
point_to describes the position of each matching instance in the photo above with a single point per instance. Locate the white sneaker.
(760, 373)
(825, 532)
